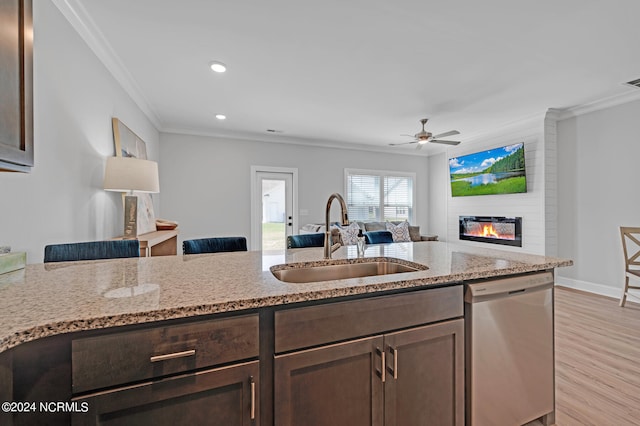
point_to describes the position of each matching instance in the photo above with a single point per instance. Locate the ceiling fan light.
(218, 67)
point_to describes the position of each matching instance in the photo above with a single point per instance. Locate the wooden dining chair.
(631, 248)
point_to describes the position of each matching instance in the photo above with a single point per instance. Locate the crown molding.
(80, 20)
(603, 103)
(254, 137)
(530, 122)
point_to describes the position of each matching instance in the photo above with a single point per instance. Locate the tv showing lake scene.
(495, 171)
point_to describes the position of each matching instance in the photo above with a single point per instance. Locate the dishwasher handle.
(512, 286)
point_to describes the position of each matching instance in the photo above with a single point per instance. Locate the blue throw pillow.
(378, 237)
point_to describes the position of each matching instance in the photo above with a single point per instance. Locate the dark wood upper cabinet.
(16, 86)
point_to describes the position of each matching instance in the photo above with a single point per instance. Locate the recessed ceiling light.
(218, 66)
(221, 116)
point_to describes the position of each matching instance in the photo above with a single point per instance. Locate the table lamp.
(127, 174)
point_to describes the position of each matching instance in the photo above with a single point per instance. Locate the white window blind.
(379, 196)
(363, 197)
(398, 198)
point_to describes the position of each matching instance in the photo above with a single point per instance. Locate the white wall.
(530, 205)
(62, 199)
(438, 195)
(205, 181)
(598, 157)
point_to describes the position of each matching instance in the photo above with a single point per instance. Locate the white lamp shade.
(124, 174)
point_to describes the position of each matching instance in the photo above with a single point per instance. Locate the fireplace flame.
(490, 231)
(497, 230)
(487, 231)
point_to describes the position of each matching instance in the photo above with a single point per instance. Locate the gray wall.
(62, 199)
(206, 184)
(598, 156)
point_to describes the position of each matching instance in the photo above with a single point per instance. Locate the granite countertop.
(48, 299)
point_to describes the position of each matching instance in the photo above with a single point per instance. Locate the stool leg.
(623, 299)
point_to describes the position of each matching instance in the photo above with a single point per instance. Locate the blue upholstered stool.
(305, 240)
(91, 250)
(214, 245)
(378, 237)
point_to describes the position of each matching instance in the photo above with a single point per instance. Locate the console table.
(158, 243)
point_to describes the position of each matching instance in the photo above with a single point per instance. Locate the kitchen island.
(55, 317)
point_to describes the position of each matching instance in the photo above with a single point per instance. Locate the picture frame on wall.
(128, 144)
(16, 90)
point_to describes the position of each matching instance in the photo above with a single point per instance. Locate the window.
(379, 196)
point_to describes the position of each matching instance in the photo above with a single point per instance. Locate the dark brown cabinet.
(219, 397)
(186, 374)
(344, 384)
(16, 90)
(392, 360)
(425, 375)
(332, 385)
(396, 378)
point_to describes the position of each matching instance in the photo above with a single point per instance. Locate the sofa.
(336, 235)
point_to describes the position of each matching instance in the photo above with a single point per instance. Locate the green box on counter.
(12, 261)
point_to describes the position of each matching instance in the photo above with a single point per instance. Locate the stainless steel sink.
(332, 270)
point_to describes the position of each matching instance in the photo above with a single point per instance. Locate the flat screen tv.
(495, 171)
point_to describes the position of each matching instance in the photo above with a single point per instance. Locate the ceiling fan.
(423, 137)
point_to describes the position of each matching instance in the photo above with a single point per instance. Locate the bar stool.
(305, 240)
(92, 250)
(631, 247)
(214, 245)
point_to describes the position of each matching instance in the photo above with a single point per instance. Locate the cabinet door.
(332, 385)
(219, 397)
(425, 375)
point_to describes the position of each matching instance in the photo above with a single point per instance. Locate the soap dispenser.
(360, 243)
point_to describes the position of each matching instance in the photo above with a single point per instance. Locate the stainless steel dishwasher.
(509, 351)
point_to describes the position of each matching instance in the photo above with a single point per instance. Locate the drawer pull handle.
(174, 355)
(253, 399)
(383, 365)
(395, 363)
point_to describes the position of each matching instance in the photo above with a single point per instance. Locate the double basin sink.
(329, 270)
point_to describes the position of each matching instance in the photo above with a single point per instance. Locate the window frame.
(383, 174)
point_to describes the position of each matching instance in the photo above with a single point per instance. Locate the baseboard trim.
(603, 290)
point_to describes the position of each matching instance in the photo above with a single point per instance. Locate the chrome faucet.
(328, 248)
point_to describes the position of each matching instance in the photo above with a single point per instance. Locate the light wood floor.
(597, 360)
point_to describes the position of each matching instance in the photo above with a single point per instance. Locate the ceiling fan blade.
(402, 143)
(445, 134)
(419, 147)
(444, 142)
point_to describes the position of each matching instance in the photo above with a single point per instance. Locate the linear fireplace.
(492, 229)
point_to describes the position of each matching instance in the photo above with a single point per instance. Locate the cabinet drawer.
(225, 396)
(120, 358)
(316, 325)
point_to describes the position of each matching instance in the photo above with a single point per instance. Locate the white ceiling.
(361, 71)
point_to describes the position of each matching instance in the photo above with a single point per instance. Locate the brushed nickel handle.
(253, 398)
(395, 362)
(173, 355)
(383, 372)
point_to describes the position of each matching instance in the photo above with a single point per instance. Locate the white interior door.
(273, 209)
